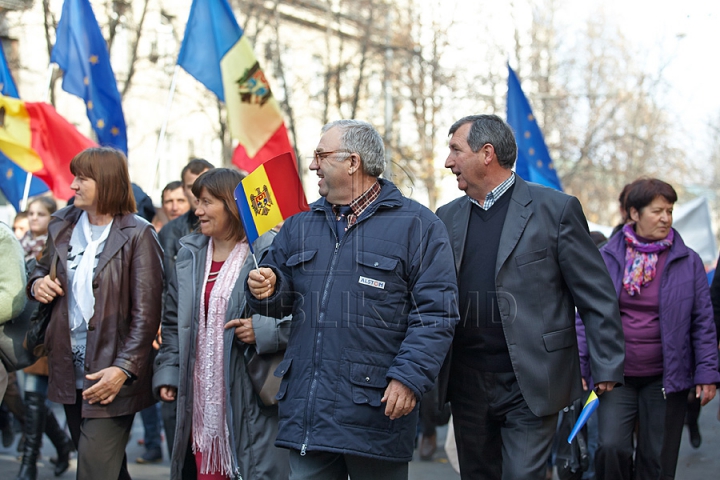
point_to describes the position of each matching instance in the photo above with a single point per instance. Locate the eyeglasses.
(322, 155)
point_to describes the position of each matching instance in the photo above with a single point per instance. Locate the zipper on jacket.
(318, 339)
(664, 396)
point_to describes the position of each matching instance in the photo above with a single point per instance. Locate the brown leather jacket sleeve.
(146, 284)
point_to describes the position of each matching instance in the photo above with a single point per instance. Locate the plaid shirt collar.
(496, 193)
(360, 204)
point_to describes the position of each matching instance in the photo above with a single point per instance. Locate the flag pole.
(26, 192)
(28, 177)
(161, 137)
(51, 70)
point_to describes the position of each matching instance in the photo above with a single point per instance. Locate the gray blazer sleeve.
(588, 280)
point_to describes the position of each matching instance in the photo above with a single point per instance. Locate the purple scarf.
(641, 259)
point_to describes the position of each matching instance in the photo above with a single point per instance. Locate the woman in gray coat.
(222, 429)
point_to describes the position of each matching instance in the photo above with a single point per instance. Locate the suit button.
(87, 369)
(95, 285)
(91, 328)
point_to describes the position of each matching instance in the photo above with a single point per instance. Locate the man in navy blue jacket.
(369, 278)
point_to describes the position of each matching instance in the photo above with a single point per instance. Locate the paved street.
(700, 464)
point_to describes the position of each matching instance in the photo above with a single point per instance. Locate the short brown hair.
(221, 183)
(108, 168)
(643, 191)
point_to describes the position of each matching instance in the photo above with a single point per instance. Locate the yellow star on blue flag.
(531, 144)
(80, 50)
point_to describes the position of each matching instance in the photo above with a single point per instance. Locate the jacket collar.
(61, 231)
(615, 248)
(390, 197)
(518, 214)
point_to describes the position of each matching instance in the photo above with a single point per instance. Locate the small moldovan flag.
(590, 406)
(269, 195)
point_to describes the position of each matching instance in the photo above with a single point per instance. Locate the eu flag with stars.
(533, 162)
(80, 50)
(12, 177)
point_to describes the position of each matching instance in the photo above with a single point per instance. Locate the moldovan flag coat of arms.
(216, 52)
(269, 195)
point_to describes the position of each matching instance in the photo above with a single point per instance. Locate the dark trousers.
(100, 443)
(336, 466)
(168, 411)
(660, 422)
(152, 424)
(497, 435)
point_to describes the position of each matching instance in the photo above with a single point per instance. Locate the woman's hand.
(705, 392)
(45, 289)
(111, 379)
(168, 394)
(243, 329)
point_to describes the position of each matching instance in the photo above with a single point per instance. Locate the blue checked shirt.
(496, 193)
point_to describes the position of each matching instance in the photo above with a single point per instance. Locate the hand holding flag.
(590, 406)
(269, 195)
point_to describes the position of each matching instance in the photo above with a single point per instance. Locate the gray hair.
(493, 130)
(361, 138)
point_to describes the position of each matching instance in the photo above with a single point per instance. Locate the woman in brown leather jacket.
(106, 313)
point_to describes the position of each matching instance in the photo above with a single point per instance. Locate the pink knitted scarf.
(210, 430)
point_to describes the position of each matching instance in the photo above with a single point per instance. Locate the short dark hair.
(174, 185)
(643, 191)
(221, 183)
(493, 130)
(108, 167)
(196, 166)
(48, 202)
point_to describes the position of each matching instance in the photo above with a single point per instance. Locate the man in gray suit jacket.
(525, 260)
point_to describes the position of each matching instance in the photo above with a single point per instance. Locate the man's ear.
(488, 153)
(355, 164)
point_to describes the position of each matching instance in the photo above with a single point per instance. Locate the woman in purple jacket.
(669, 339)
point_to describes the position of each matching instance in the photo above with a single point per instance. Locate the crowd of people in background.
(500, 308)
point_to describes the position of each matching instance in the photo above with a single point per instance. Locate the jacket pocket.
(300, 258)
(373, 260)
(530, 257)
(376, 276)
(559, 339)
(280, 372)
(368, 384)
(358, 402)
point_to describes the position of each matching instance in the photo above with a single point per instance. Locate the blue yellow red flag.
(269, 195)
(38, 140)
(216, 52)
(81, 52)
(533, 162)
(12, 177)
(590, 406)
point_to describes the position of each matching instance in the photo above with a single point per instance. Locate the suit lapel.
(461, 219)
(519, 212)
